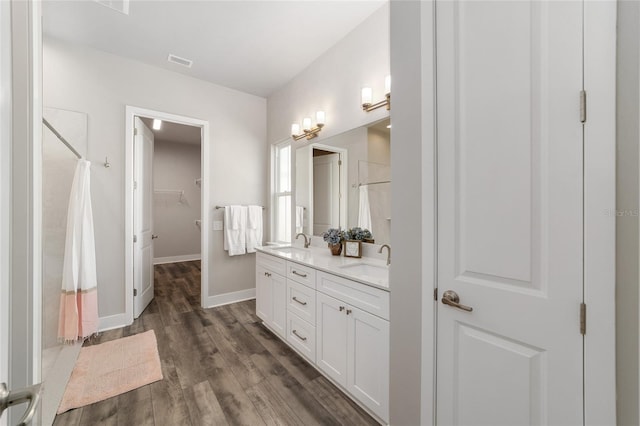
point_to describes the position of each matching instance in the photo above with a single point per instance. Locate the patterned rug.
(109, 369)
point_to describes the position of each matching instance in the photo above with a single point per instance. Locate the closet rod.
(222, 207)
(59, 136)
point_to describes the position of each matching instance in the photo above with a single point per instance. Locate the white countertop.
(320, 258)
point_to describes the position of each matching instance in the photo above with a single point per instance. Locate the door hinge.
(583, 106)
(135, 131)
(135, 238)
(135, 292)
(583, 318)
(339, 162)
(135, 184)
(435, 294)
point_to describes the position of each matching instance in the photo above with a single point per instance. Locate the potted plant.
(359, 234)
(334, 238)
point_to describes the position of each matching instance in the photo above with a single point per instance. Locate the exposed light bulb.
(306, 123)
(367, 95)
(157, 124)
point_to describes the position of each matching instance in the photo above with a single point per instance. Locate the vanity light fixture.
(367, 97)
(308, 131)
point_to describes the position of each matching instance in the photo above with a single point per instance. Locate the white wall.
(332, 83)
(627, 204)
(176, 166)
(412, 271)
(102, 85)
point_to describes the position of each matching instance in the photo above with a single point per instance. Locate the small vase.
(336, 249)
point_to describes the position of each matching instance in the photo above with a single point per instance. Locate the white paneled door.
(143, 218)
(510, 212)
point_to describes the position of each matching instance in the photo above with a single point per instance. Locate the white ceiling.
(252, 46)
(174, 132)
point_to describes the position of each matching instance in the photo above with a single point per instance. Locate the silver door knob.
(153, 237)
(451, 298)
(9, 398)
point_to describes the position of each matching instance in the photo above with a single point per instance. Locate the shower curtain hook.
(106, 163)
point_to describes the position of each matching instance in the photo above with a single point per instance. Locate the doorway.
(182, 200)
(325, 172)
(176, 196)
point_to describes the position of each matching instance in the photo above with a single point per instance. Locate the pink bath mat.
(111, 368)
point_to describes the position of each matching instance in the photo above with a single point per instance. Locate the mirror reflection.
(345, 182)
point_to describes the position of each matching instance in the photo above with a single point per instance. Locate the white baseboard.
(174, 259)
(113, 321)
(227, 298)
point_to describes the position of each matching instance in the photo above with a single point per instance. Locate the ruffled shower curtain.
(79, 298)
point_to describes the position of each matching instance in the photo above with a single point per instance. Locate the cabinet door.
(263, 294)
(279, 304)
(331, 345)
(368, 360)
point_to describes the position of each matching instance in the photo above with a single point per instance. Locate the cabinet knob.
(341, 308)
(348, 311)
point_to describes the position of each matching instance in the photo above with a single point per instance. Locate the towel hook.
(106, 163)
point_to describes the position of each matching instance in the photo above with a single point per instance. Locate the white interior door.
(143, 218)
(510, 209)
(326, 192)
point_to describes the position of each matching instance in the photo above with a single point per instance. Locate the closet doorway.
(167, 186)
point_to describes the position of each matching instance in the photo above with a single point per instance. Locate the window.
(282, 193)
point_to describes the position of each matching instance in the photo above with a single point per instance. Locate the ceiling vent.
(180, 61)
(121, 6)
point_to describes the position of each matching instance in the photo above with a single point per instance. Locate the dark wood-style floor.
(220, 366)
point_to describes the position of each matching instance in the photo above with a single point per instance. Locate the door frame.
(5, 189)
(205, 160)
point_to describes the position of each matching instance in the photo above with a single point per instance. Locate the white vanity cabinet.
(340, 325)
(271, 292)
(353, 350)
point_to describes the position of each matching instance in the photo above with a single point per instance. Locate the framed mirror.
(345, 182)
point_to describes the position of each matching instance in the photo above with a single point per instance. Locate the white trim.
(174, 259)
(600, 230)
(36, 185)
(115, 321)
(130, 113)
(228, 298)
(429, 214)
(5, 188)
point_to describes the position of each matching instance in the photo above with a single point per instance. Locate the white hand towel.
(299, 219)
(235, 220)
(364, 210)
(254, 228)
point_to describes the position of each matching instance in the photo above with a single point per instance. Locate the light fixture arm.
(309, 133)
(386, 102)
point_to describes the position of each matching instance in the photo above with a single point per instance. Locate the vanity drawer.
(274, 264)
(301, 274)
(369, 299)
(301, 300)
(301, 335)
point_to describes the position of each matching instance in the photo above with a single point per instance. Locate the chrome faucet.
(307, 241)
(388, 253)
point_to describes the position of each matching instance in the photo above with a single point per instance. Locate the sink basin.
(367, 270)
(292, 250)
